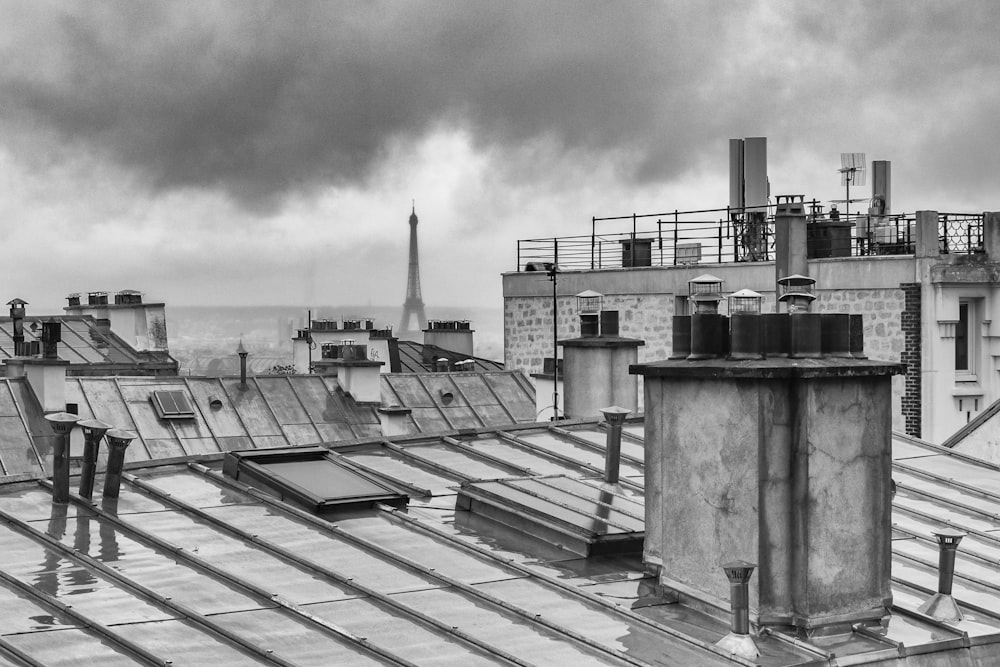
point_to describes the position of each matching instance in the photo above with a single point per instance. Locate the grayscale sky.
(259, 153)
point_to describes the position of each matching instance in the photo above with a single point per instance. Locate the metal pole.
(593, 233)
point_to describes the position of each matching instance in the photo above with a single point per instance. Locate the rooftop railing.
(721, 236)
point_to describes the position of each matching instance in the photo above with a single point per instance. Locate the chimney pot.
(118, 442)
(739, 641)
(62, 423)
(93, 433)
(615, 417)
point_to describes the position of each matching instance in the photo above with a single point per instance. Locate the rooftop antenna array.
(852, 172)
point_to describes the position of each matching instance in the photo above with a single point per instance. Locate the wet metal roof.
(88, 349)
(192, 566)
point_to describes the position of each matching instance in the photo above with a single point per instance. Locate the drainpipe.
(615, 417)
(93, 433)
(62, 423)
(118, 441)
(942, 605)
(739, 641)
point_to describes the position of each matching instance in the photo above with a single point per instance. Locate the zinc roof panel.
(225, 421)
(410, 391)
(292, 640)
(282, 400)
(454, 459)
(71, 648)
(513, 395)
(252, 408)
(17, 452)
(302, 434)
(22, 614)
(430, 552)
(335, 432)
(430, 420)
(534, 644)
(405, 470)
(162, 448)
(241, 558)
(462, 417)
(521, 457)
(323, 549)
(594, 622)
(183, 643)
(400, 634)
(319, 403)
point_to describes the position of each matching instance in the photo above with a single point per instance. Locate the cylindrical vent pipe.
(681, 344)
(118, 442)
(62, 423)
(942, 606)
(708, 336)
(948, 548)
(739, 641)
(609, 322)
(836, 334)
(615, 417)
(93, 433)
(745, 336)
(777, 328)
(242, 352)
(805, 335)
(589, 325)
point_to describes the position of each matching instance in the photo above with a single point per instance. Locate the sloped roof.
(84, 344)
(417, 358)
(274, 411)
(190, 565)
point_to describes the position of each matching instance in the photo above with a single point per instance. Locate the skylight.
(172, 404)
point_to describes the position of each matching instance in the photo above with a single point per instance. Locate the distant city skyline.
(268, 153)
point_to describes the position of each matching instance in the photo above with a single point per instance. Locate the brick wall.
(910, 319)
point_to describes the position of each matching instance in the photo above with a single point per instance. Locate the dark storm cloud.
(261, 100)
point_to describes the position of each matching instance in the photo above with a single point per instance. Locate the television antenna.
(852, 171)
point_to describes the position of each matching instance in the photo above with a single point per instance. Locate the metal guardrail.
(692, 237)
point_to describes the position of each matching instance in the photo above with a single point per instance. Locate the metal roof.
(274, 411)
(191, 566)
(85, 345)
(417, 358)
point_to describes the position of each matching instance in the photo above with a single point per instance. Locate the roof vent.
(739, 641)
(942, 605)
(172, 404)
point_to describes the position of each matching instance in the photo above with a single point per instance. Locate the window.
(313, 478)
(172, 404)
(962, 338)
(967, 339)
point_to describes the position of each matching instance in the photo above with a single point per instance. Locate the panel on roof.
(162, 448)
(282, 400)
(404, 636)
(462, 417)
(455, 459)
(407, 470)
(513, 395)
(107, 402)
(440, 386)
(74, 648)
(294, 641)
(429, 420)
(172, 404)
(30, 409)
(302, 434)
(336, 432)
(410, 391)
(148, 424)
(521, 457)
(200, 445)
(223, 419)
(17, 452)
(252, 409)
(474, 386)
(235, 443)
(7, 406)
(182, 643)
(494, 415)
(270, 441)
(316, 399)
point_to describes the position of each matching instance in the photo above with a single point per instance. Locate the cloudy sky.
(257, 153)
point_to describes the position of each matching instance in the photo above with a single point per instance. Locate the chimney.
(47, 379)
(17, 322)
(790, 253)
(242, 352)
(395, 420)
(451, 335)
(62, 423)
(942, 605)
(141, 325)
(597, 373)
(118, 442)
(359, 377)
(794, 462)
(93, 433)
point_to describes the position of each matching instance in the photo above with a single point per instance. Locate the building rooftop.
(89, 348)
(419, 357)
(191, 565)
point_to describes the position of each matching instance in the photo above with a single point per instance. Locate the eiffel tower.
(414, 304)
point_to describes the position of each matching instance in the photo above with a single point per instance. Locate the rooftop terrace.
(720, 236)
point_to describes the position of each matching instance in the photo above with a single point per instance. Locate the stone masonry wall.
(528, 326)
